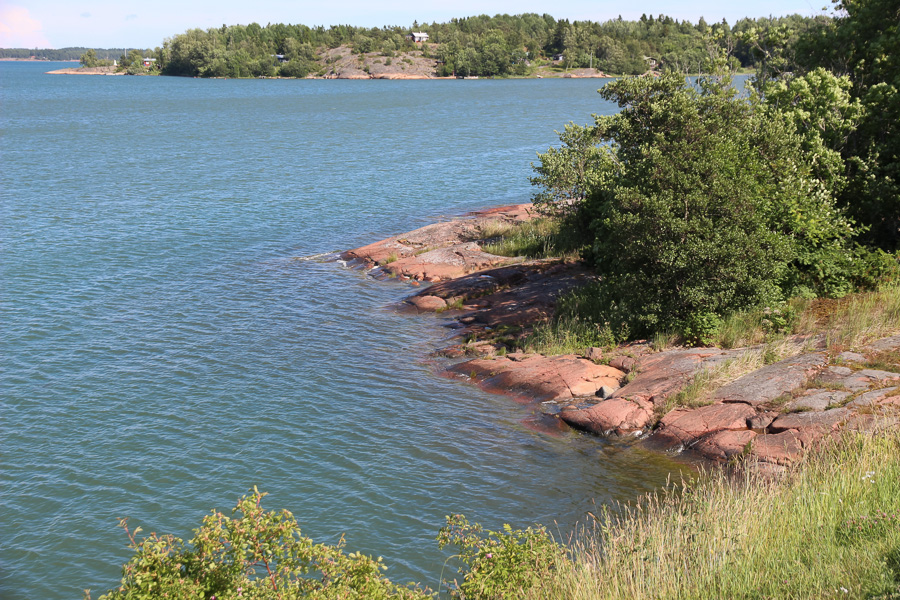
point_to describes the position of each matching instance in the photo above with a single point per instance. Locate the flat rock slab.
(866, 378)
(540, 378)
(888, 343)
(772, 381)
(436, 235)
(823, 421)
(883, 396)
(664, 374)
(816, 399)
(685, 426)
(613, 416)
(445, 263)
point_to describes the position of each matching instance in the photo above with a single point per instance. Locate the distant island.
(527, 45)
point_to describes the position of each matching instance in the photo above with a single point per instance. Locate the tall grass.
(851, 321)
(829, 529)
(537, 238)
(568, 335)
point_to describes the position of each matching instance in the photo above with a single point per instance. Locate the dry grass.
(829, 529)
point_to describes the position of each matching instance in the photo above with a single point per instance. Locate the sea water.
(175, 329)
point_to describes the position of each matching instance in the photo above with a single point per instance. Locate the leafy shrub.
(500, 564)
(254, 554)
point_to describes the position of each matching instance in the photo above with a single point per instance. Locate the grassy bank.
(830, 529)
(846, 323)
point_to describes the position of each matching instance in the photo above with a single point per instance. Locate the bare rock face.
(684, 427)
(446, 263)
(816, 399)
(659, 376)
(877, 398)
(782, 448)
(540, 378)
(821, 421)
(772, 381)
(440, 250)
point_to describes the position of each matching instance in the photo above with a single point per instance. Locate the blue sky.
(106, 24)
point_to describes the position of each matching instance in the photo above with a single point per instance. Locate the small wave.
(322, 257)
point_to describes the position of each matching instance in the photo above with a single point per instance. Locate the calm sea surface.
(174, 331)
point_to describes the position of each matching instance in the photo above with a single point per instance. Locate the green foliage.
(499, 564)
(89, 59)
(253, 554)
(481, 45)
(860, 44)
(700, 204)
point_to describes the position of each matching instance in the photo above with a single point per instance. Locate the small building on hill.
(418, 37)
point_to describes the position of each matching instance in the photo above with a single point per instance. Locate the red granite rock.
(822, 421)
(615, 415)
(782, 448)
(540, 378)
(428, 303)
(446, 263)
(724, 444)
(685, 426)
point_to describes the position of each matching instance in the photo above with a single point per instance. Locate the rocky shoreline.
(773, 412)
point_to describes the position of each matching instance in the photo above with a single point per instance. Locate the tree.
(89, 59)
(699, 204)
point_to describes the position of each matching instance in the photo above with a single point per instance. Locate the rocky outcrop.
(772, 414)
(659, 377)
(440, 251)
(540, 378)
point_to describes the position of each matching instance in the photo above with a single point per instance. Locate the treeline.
(61, 53)
(482, 45)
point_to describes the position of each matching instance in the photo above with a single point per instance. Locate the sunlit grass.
(829, 529)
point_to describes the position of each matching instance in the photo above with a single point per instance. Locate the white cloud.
(18, 29)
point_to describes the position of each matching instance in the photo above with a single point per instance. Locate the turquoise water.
(175, 331)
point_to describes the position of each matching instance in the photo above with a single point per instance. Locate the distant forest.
(501, 45)
(482, 45)
(61, 53)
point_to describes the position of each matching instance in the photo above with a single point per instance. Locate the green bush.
(253, 554)
(700, 204)
(500, 564)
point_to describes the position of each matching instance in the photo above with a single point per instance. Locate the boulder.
(725, 444)
(427, 303)
(684, 426)
(541, 378)
(615, 415)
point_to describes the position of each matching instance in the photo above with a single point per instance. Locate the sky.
(105, 24)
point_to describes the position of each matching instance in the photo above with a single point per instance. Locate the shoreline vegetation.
(502, 46)
(710, 273)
